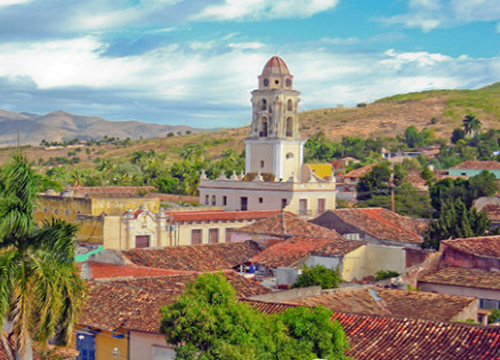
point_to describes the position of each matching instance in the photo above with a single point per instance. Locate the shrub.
(318, 275)
(385, 274)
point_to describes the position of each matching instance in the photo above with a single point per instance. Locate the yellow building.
(275, 175)
(88, 211)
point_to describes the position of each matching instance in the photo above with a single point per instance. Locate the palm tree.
(472, 125)
(40, 289)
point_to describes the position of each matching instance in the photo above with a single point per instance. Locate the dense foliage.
(207, 322)
(455, 217)
(318, 275)
(40, 289)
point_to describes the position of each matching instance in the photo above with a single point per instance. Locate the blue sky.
(195, 62)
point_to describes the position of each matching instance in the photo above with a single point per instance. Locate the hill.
(440, 110)
(61, 125)
(391, 116)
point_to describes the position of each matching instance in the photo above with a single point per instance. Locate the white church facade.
(275, 175)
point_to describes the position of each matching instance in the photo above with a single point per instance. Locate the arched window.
(289, 127)
(289, 105)
(264, 104)
(263, 129)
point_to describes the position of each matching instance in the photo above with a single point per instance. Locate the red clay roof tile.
(293, 250)
(484, 246)
(207, 257)
(478, 165)
(471, 278)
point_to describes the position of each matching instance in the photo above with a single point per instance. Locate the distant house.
(351, 179)
(285, 259)
(396, 303)
(468, 267)
(491, 206)
(472, 168)
(374, 225)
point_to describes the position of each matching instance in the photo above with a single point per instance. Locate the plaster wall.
(367, 260)
(456, 258)
(144, 346)
(105, 343)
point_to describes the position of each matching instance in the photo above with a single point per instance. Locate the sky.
(195, 62)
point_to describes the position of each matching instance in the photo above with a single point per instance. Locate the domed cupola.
(275, 75)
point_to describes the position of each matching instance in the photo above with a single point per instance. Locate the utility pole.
(392, 200)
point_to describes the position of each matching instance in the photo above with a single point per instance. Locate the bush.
(385, 274)
(318, 275)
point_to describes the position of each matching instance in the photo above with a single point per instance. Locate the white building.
(275, 175)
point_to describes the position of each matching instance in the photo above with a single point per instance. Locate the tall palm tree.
(472, 125)
(40, 289)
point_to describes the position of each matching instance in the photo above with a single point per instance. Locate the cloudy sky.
(195, 62)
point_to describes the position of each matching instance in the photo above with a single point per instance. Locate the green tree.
(375, 182)
(40, 290)
(472, 125)
(207, 322)
(318, 275)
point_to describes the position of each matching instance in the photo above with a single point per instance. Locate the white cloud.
(431, 14)
(218, 80)
(13, 2)
(262, 9)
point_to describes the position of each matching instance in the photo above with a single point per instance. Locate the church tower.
(274, 145)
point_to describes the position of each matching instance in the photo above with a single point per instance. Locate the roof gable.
(207, 257)
(290, 252)
(285, 224)
(379, 223)
(485, 246)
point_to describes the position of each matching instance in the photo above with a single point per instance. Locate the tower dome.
(275, 66)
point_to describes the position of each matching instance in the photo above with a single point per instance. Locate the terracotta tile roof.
(492, 211)
(285, 224)
(376, 222)
(267, 308)
(207, 257)
(383, 338)
(392, 302)
(293, 250)
(360, 171)
(184, 216)
(478, 165)
(471, 278)
(108, 271)
(413, 177)
(135, 304)
(484, 246)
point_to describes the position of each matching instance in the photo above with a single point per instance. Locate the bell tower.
(274, 145)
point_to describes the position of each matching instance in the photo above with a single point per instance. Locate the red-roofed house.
(473, 168)
(122, 317)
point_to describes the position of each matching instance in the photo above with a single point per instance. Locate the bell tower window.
(288, 82)
(289, 127)
(289, 105)
(266, 82)
(263, 131)
(264, 104)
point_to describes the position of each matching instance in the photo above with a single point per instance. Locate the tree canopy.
(40, 289)
(208, 323)
(318, 275)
